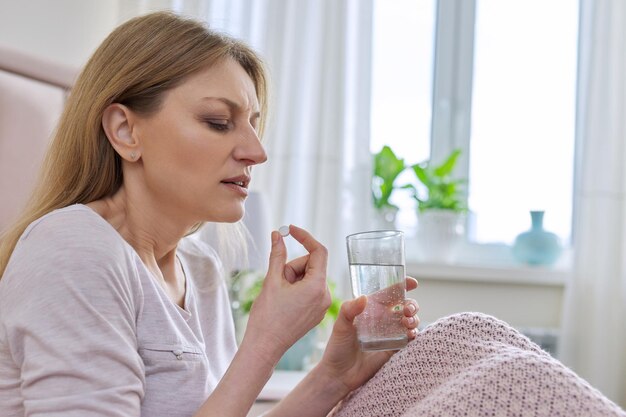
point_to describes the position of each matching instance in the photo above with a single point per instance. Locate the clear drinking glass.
(377, 270)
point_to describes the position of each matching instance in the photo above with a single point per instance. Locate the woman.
(105, 308)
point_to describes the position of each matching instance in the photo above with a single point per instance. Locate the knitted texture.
(472, 364)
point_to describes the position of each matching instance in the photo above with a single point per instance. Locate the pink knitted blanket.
(472, 364)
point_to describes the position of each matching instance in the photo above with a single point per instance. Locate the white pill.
(284, 231)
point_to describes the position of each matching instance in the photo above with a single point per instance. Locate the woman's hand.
(294, 297)
(343, 358)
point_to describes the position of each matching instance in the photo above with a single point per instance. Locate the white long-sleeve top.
(85, 329)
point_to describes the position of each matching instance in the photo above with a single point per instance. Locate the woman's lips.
(237, 187)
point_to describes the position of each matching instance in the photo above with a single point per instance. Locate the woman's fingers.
(295, 294)
(411, 283)
(295, 268)
(316, 260)
(410, 307)
(278, 256)
(410, 320)
(352, 308)
(318, 252)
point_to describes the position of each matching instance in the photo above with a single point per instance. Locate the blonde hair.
(135, 65)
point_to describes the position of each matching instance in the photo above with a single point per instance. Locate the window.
(494, 78)
(523, 105)
(402, 87)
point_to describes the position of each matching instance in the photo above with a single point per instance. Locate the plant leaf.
(448, 165)
(387, 167)
(422, 174)
(443, 191)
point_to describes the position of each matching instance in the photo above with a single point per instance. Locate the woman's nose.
(250, 148)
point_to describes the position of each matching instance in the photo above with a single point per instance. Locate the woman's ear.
(117, 122)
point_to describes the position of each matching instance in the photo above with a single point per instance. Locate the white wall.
(60, 30)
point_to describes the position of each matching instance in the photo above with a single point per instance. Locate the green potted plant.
(387, 166)
(441, 209)
(443, 192)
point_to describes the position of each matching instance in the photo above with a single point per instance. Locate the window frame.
(453, 66)
(452, 81)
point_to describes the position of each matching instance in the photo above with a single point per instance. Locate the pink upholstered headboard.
(32, 93)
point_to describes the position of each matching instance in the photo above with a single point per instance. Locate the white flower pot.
(439, 234)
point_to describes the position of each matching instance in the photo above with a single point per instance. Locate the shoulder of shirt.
(74, 228)
(72, 247)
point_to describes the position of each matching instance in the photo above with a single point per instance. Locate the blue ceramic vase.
(537, 246)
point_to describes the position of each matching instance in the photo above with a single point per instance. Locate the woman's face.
(197, 151)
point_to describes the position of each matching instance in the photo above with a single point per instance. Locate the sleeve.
(69, 311)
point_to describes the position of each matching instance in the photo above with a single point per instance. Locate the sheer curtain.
(319, 58)
(594, 338)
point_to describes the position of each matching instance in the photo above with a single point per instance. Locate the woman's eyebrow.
(232, 105)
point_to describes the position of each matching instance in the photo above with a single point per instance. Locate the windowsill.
(489, 274)
(489, 264)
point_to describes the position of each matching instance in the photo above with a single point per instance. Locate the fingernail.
(412, 308)
(275, 237)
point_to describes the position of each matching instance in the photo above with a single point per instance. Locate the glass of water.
(377, 270)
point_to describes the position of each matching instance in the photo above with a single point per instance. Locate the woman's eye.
(219, 125)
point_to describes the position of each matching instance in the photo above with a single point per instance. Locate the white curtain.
(319, 57)
(594, 333)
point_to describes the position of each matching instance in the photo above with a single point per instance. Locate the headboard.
(32, 93)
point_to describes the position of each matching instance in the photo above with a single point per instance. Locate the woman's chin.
(232, 216)
(231, 220)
